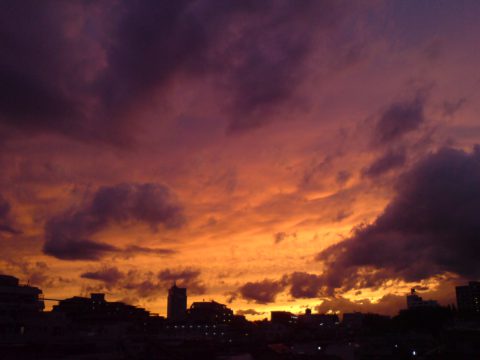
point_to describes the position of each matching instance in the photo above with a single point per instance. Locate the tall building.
(177, 303)
(468, 298)
(414, 301)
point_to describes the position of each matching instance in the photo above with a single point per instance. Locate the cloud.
(429, 228)
(148, 284)
(68, 236)
(6, 223)
(187, 277)
(279, 236)
(385, 163)
(270, 58)
(81, 68)
(249, 312)
(147, 288)
(399, 119)
(450, 108)
(132, 250)
(44, 67)
(314, 171)
(184, 275)
(387, 305)
(282, 235)
(342, 177)
(300, 285)
(261, 292)
(304, 285)
(36, 273)
(110, 276)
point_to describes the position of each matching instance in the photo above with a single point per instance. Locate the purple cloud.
(80, 68)
(110, 276)
(6, 223)
(398, 119)
(429, 228)
(261, 292)
(385, 163)
(68, 235)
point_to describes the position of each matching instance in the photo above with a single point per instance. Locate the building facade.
(468, 298)
(177, 303)
(210, 312)
(16, 299)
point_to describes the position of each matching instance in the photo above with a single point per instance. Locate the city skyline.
(467, 302)
(272, 155)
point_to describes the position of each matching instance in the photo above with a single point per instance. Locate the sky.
(270, 155)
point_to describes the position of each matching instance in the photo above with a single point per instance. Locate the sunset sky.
(266, 154)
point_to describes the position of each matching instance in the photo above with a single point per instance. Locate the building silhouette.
(177, 303)
(97, 309)
(283, 317)
(18, 299)
(468, 298)
(94, 328)
(19, 305)
(210, 312)
(307, 320)
(414, 301)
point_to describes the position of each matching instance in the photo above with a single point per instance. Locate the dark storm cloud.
(257, 48)
(110, 276)
(185, 275)
(272, 50)
(300, 285)
(430, 227)
(144, 289)
(41, 67)
(6, 223)
(78, 68)
(189, 278)
(70, 248)
(304, 285)
(388, 161)
(399, 119)
(261, 292)
(68, 236)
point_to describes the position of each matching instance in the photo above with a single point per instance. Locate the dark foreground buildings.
(96, 309)
(415, 301)
(16, 299)
(18, 305)
(87, 328)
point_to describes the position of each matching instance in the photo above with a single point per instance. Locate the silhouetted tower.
(177, 303)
